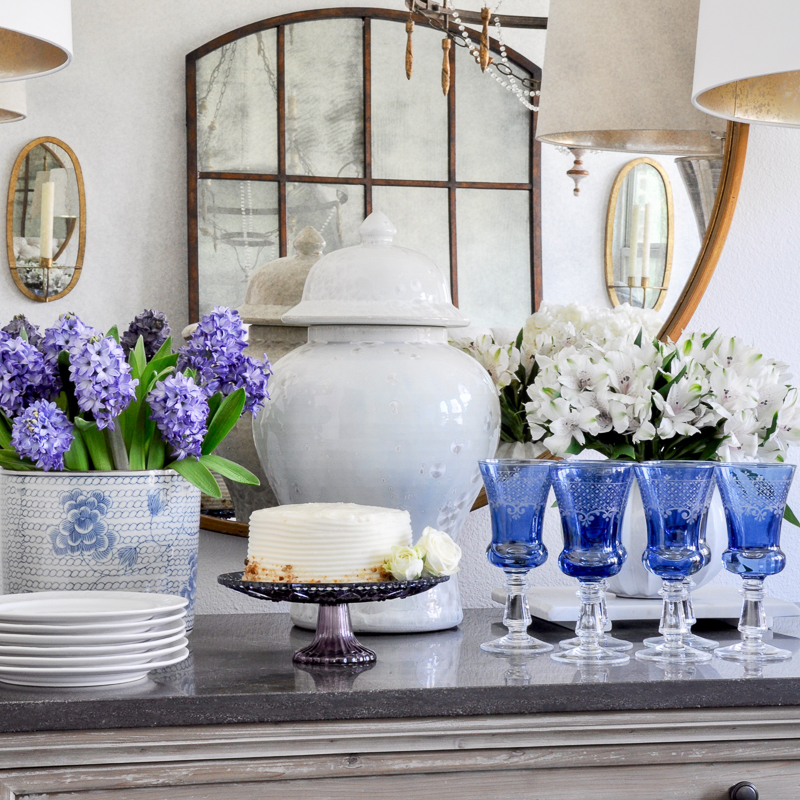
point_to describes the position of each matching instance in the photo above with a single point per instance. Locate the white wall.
(120, 106)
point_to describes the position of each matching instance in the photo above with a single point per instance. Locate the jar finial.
(309, 242)
(377, 228)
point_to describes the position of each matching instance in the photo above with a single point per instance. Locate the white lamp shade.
(13, 101)
(617, 75)
(747, 64)
(35, 38)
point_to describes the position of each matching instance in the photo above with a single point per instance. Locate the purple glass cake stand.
(335, 642)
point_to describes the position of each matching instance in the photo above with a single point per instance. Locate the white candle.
(646, 246)
(46, 225)
(634, 267)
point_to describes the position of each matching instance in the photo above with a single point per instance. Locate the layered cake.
(323, 542)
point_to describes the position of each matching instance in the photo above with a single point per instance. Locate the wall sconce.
(618, 76)
(35, 38)
(747, 65)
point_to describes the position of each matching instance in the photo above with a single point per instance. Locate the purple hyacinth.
(42, 433)
(69, 332)
(152, 326)
(18, 324)
(24, 376)
(216, 351)
(102, 380)
(179, 408)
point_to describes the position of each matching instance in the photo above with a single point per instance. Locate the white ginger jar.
(377, 408)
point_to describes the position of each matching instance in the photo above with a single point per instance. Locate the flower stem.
(118, 451)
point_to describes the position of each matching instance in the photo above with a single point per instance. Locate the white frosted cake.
(323, 542)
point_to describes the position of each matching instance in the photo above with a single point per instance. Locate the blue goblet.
(517, 492)
(676, 496)
(591, 500)
(754, 496)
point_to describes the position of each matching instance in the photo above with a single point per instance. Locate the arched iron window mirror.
(308, 119)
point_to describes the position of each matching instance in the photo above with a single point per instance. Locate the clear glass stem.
(673, 626)
(591, 622)
(688, 608)
(753, 622)
(517, 615)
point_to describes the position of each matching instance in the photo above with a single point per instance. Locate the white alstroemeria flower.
(568, 423)
(578, 373)
(788, 427)
(732, 354)
(741, 437)
(731, 391)
(500, 361)
(678, 410)
(611, 413)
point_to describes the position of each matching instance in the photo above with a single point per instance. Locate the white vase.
(118, 531)
(633, 579)
(379, 409)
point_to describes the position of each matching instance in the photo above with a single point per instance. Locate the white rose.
(405, 563)
(441, 553)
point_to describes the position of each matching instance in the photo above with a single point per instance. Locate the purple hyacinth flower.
(18, 324)
(216, 351)
(179, 408)
(24, 376)
(69, 332)
(42, 433)
(152, 326)
(102, 380)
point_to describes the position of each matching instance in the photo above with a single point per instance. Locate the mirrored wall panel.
(46, 220)
(309, 119)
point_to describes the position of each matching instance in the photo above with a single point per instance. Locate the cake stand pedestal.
(334, 642)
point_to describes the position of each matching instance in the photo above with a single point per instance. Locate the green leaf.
(790, 517)
(198, 475)
(574, 448)
(518, 340)
(226, 417)
(624, 451)
(156, 452)
(214, 402)
(164, 350)
(139, 440)
(638, 340)
(95, 444)
(113, 332)
(230, 469)
(10, 460)
(138, 358)
(77, 457)
(5, 432)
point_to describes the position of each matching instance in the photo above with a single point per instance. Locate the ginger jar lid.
(376, 283)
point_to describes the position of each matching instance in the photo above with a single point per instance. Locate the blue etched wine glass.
(676, 496)
(692, 639)
(517, 491)
(592, 496)
(754, 496)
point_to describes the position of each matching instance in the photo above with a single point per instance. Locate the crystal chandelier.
(443, 16)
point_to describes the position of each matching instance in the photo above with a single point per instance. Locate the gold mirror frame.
(611, 286)
(730, 183)
(12, 186)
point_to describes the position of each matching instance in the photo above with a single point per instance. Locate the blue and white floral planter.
(118, 531)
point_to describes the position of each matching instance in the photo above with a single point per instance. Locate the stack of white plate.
(89, 638)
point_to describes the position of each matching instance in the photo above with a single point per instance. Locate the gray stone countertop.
(241, 671)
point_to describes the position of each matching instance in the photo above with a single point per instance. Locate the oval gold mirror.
(639, 235)
(46, 220)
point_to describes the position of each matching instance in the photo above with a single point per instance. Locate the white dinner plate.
(128, 626)
(80, 639)
(85, 676)
(90, 649)
(80, 607)
(137, 659)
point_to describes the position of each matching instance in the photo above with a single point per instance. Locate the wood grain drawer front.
(775, 780)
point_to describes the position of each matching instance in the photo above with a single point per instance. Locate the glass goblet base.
(691, 640)
(578, 656)
(606, 642)
(675, 655)
(516, 644)
(749, 652)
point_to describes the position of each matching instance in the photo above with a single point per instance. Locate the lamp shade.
(747, 64)
(35, 38)
(13, 101)
(618, 76)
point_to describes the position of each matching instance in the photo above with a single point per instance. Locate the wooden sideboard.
(664, 755)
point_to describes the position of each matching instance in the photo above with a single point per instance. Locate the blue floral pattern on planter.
(83, 529)
(124, 531)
